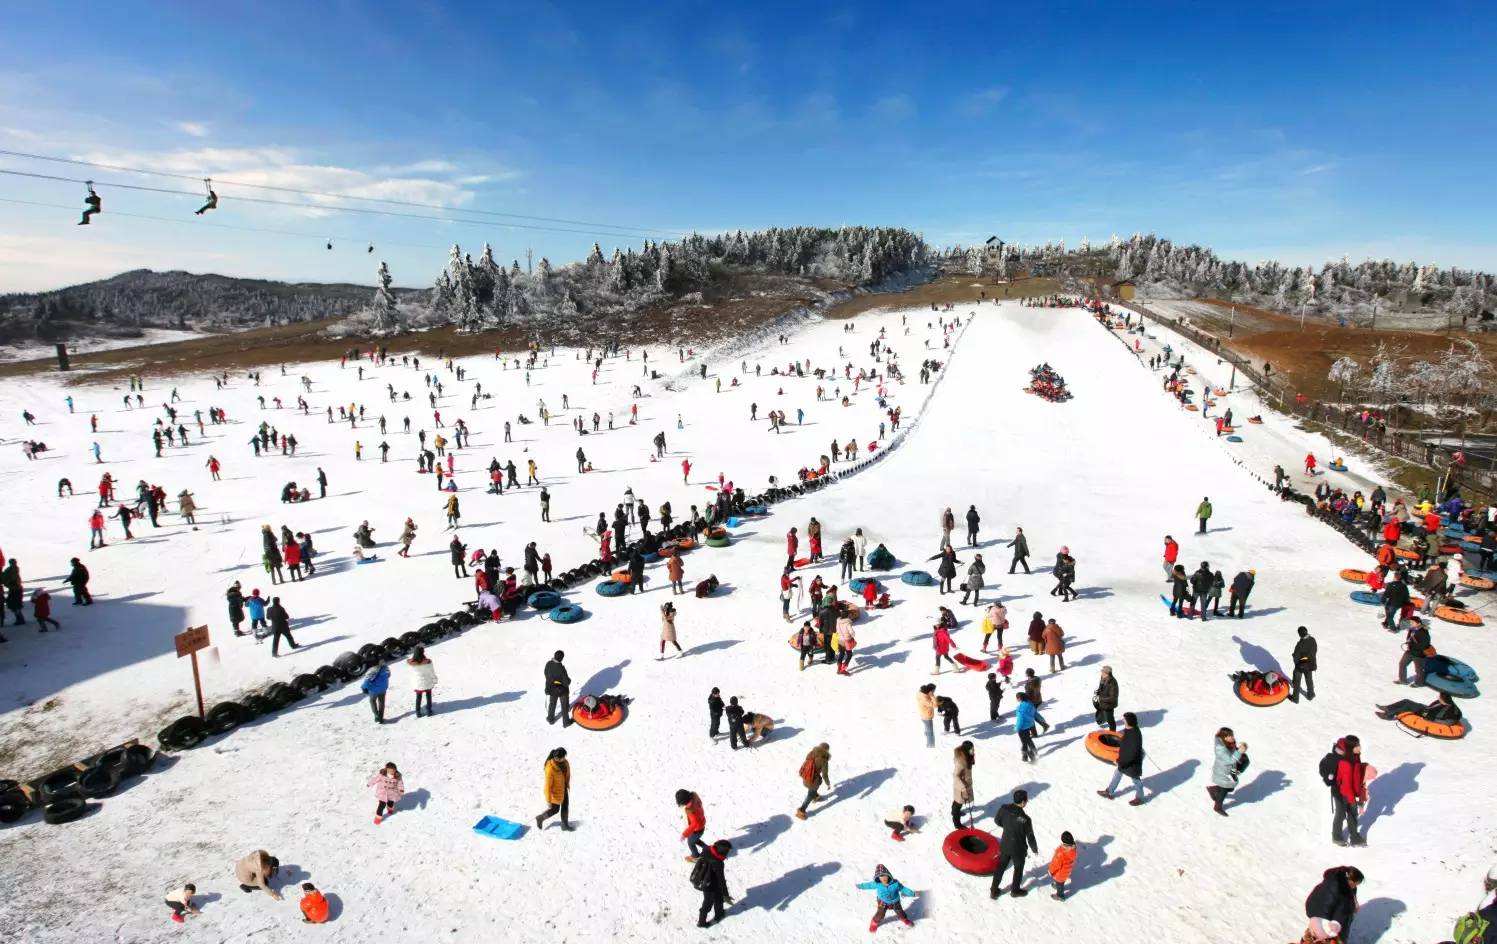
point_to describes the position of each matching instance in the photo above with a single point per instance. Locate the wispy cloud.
(894, 107)
(33, 261)
(983, 101)
(196, 129)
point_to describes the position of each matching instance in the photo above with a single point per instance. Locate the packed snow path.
(1107, 474)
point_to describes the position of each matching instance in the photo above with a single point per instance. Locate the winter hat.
(1066, 839)
(1066, 551)
(881, 874)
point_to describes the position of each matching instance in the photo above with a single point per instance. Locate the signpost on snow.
(189, 641)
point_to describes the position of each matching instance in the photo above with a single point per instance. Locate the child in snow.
(424, 677)
(1061, 863)
(950, 723)
(376, 682)
(995, 696)
(1005, 663)
(255, 605)
(388, 789)
(888, 891)
(180, 902)
(314, 907)
(41, 609)
(901, 823)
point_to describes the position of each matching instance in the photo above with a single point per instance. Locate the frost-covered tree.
(385, 311)
(1344, 373)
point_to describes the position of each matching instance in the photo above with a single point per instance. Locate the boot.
(177, 917)
(873, 926)
(895, 835)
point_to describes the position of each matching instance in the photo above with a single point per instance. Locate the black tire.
(307, 683)
(329, 676)
(255, 703)
(98, 782)
(13, 806)
(371, 654)
(6, 786)
(282, 694)
(64, 811)
(226, 716)
(410, 640)
(389, 642)
(429, 634)
(59, 785)
(138, 760)
(187, 732)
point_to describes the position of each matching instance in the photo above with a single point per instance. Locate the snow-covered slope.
(1107, 474)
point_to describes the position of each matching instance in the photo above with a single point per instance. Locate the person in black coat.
(78, 578)
(1130, 762)
(946, 570)
(714, 712)
(459, 562)
(1334, 900)
(847, 555)
(558, 691)
(1105, 699)
(280, 625)
(735, 724)
(636, 572)
(1179, 592)
(1304, 665)
(1395, 596)
(1018, 833)
(715, 887)
(973, 520)
(995, 696)
(1200, 588)
(1020, 544)
(1415, 642)
(1242, 585)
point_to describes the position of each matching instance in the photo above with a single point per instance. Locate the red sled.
(967, 662)
(802, 561)
(711, 488)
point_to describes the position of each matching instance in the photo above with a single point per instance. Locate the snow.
(1107, 473)
(35, 350)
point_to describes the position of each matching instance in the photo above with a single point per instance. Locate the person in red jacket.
(41, 609)
(292, 554)
(941, 640)
(1392, 531)
(96, 529)
(792, 544)
(1171, 552)
(1350, 796)
(1309, 463)
(685, 470)
(696, 823)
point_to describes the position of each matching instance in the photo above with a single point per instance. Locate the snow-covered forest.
(481, 293)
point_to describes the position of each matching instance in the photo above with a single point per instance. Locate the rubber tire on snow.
(226, 716)
(307, 683)
(329, 675)
(60, 784)
(98, 782)
(13, 806)
(138, 760)
(64, 811)
(184, 734)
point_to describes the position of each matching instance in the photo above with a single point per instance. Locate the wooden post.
(188, 643)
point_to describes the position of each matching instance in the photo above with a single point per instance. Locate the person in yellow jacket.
(925, 701)
(557, 789)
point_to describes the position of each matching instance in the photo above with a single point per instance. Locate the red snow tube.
(601, 720)
(1259, 694)
(1351, 575)
(972, 851)
(1103, 745)
(974, 665)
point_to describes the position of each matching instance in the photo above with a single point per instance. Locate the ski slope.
(1107, 474)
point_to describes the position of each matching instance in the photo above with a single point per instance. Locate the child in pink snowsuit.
(388, 789)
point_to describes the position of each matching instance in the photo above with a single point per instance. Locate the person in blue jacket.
(888, 890)
(255, 605)
(376, 683)
(1024, 724)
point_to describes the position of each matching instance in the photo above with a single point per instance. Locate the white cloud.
(894, 107)
(194, 128)
(982, 102)
(33, 262)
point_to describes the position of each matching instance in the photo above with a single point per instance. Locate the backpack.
(699, 875)
(1470, 928)
(1328, 765)
(1242, 764)
(808, 770)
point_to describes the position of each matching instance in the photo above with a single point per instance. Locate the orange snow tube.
(1477, 583)
(1192, 407)
(1434, 729)
(1352, 575)
(1103, 745)
(622, 576)
(1404, 553)
(795, 644)
(684, 544)
(1452, 615)
(598, 722)
(1261, 695)
(1256, 421)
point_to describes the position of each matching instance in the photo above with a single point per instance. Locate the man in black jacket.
(636, 572)
(1018, 832)
(1395, 595)
(280, 625)
(1200, 588)
(715, 712)
(1334, 900)
(1304, 665)
(1130, 762)
(1105, 699)
(1020, 544)
(713, 883)
(558, 691)
(735, 724)
(1415, 642)
(1242, 585)
(459, 562)
(78, 577)
(846, 556)
(972, 522)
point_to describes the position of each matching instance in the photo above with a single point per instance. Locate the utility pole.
(527, 260)
(1375, 300)
(1232, 324)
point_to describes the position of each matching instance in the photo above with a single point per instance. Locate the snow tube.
(972, 851)
(1351, 575)
(1457, 688)
(718, 537)
(884, 561)
(1234, 439)
(1477, 583)
(1405, 553)
(1275, 694)
(1335, 468)
(734, 522)
(611, 588)
(64, 811)
(756, 510)
(566, 613)
(857, 584)
(684, 544)
(974, 665)
(13, 806)
(1366, 596)
(1411, 721)
(98, 782)
(1450, 549)
(1452, 615)
(621, 576)
(604, 722)
(1191, 407)
(917, 578)
(544, 600)
(1103, 745)
(1451, 676)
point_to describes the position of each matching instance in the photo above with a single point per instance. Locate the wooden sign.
(189, 641)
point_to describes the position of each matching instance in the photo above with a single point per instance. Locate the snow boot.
(177, 917)
(896, 836)
(1104, 794)
(801, 814)
(873, 926)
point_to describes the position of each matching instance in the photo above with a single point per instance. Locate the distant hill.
(124, 304)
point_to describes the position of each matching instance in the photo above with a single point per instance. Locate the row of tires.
(64, 794)
(189, 731)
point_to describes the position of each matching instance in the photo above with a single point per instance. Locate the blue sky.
(1299, 132)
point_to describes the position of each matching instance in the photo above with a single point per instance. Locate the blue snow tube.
(612, 588)
(1367, 597)
(857, 584)
(567, 613)
(652, 557)
(1234, 439)
(756, 510)
(1335, 468)
(881, 561)
(544, 600)
(917, 578)
(734, 522)
(1459, 680)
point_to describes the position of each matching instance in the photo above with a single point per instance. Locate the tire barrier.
(226, 716)
(307, 683)
(13, 806)
(279, 695)
(59, 785)
(98, 782)
(567, 613)
(64, 811)
(255, 704)
(371, 654)
(430, 633)
(183, 734)
(330, 676)
(350, 665)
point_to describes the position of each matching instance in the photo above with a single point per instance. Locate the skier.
(1130, 762)
(815, 770)
(557, 789)
(424, 678)
(1305, 651)
(888, 891)
(389, 787)
(1017, 833)
(1229, 760)
(558, 693)
(1020, 544)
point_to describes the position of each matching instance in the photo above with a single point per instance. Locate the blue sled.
(496, 828)
(1190, 610)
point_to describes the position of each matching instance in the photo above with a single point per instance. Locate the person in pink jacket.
(941, 640)
(388, 789)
